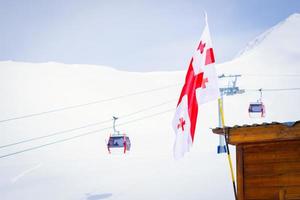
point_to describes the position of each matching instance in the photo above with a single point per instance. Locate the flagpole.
(220, 102)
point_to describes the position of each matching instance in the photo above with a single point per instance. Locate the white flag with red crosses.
(201, 86)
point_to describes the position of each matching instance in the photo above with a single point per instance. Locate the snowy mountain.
(69, 109)
(281, 30)
(278, 46)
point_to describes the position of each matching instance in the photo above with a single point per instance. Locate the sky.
(132, 35)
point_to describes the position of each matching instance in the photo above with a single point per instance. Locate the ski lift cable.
(124, 116)
(83, 134)
(53, 134)
(149, 108)
(272, 75)
(259, 75)
(121, 124)
(85, 126)
(271, 89)
(87, 104)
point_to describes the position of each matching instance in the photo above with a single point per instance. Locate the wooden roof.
(257, 133)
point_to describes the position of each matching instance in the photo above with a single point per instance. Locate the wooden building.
(268, 160)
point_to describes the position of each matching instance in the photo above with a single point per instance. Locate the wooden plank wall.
(270, 171)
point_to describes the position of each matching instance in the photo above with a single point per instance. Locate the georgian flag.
(201, 86)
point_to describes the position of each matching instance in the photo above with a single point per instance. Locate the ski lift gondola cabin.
(119, 141)
(257, 108)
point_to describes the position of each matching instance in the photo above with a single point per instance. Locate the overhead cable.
(271, 89)
(272, 75)
(83, 134)
(87, 104)
(85, 126)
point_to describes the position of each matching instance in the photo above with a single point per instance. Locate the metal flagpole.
(221, 111)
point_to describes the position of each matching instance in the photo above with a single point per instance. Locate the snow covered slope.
(72, 165)
(274, 51)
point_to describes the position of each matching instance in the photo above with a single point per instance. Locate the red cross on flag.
(201, 86)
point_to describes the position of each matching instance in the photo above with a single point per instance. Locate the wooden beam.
(262, 133)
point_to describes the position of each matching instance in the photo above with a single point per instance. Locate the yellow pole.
(220, 101)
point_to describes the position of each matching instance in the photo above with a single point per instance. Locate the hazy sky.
(131, 35)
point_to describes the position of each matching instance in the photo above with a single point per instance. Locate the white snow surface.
(82, 169)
